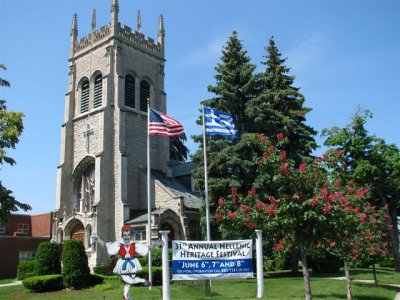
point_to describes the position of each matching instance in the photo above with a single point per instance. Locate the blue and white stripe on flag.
(218, 123)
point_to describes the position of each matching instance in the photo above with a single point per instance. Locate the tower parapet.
(124, 33)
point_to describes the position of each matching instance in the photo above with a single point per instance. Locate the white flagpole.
(206, 176)
(149, 195)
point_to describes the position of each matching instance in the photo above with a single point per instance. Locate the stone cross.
(86, 133)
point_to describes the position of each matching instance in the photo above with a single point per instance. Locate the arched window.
(98, 90)
(84, 188)
(144, 95)
(85, 96)
(130, 91)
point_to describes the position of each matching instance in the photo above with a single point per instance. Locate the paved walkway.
(371, 281)
(17, 282)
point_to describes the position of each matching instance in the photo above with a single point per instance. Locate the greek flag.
(218, 123)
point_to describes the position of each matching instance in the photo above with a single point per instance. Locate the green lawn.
(277, 286)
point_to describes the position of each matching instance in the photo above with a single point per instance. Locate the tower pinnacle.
(73, 34)
(161, 30)
(94, 20)
(139, 21)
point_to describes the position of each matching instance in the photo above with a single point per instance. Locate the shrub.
(326, 266)
(106, 269)
(281, 261)
(156, 257)
(47, 259)
(156, 274)
(386, 262)
(75, 265)
(26, 269)
(44, 283)
(95, 279)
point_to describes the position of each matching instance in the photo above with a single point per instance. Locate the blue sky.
(344, 54)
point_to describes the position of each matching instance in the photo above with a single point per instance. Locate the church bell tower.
(101, 177)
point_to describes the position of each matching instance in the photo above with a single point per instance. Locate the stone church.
(102, 175)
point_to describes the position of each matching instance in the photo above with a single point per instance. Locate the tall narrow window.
(130, 91)
(85, 96)
(98, 90)
(144, 95)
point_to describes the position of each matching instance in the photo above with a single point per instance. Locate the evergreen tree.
(177, 149)
(235, 86)
(371, 162)
(278, 108)
(235, 83)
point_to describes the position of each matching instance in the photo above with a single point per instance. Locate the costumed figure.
(127, 265)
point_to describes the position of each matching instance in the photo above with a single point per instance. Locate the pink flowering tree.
(299, 206)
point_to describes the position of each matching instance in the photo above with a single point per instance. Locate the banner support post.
(260, 272)
(166, 294)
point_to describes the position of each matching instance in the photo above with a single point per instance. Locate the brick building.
(102, 175)
(19, 239)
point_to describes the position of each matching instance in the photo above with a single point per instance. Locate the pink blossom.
(280, 136)
(314, 201)
(234, 191)
(363, 217)
(259, 204)
(262, 138)
(252, 192)
(265, 155)
(272, 200)
(221, 202)
(282, 155)
(302, 168)
(284, 169)
(244, 208)
(271, 149)
(231, 215)
(326, 209)
(251, 225)
(218, 216)
(279, 245)
(361, 192)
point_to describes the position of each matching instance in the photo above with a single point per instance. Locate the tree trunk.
(395, 240)
(394, 233)
(348, 280)
(294, 261)
(306, 273)
(374, 274)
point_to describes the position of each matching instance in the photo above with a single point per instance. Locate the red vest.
(132, 251)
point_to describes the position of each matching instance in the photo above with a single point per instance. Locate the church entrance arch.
(78, 232)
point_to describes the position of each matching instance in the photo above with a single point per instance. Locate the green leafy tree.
(11, 127)
(373, 163)
(304, 206)
(279, 107)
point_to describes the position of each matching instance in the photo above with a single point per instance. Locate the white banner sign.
(212, 260)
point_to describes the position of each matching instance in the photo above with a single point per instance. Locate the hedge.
(156, 274)
(26, 269)
(47, 259)
(75, 265)
(44, 283)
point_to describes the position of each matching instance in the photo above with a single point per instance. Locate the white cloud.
(307, 52)
(206, 55)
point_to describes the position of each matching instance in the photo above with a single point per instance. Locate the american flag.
(161, 124)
